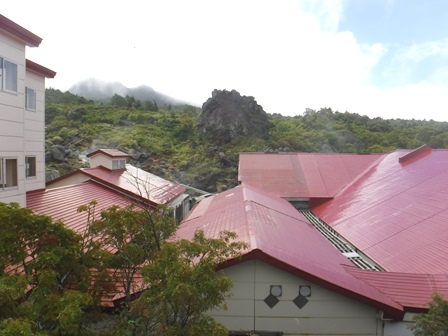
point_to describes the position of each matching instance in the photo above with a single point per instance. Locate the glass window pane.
(30, 99)
(30, 166)
(10, 73)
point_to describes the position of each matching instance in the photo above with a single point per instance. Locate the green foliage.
(44, 275)
(170, 136)
(182, 286)
(435, 322)
(179, 277)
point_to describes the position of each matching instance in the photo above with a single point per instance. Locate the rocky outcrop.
(228, 115)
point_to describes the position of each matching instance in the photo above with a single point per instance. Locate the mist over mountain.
(101, 91)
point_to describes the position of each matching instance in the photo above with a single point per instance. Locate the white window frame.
(30, 99)
(5, 75)
(118, 164)
(30, 167)
(8, 179)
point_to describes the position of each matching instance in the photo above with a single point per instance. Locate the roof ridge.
(416, 153)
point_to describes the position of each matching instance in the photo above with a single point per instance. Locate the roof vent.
(416, 152)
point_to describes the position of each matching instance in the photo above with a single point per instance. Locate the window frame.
(118, 164)
(5, 175)
(27, 99)
(30, 167)
(5, 75)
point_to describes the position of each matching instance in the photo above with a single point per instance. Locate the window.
(8, 75)
(30, 166)
(8, 173)
(30, 99)
(118, 164)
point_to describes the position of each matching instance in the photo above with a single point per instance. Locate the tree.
(44, 275)
(134, 235)
(182, 285)
(435, 322)
(179, 283)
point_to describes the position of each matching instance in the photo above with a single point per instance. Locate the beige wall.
(12, 118)
(76, 178)
(326, 313)
(101, 160)
(34, 131)
(22, 132)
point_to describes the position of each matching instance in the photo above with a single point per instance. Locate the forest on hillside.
(165, 141)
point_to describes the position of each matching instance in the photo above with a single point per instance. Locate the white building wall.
(22, 132)
(34, 131)
(12, 121)
(326, 313)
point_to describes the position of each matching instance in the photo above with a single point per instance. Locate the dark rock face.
(227, 115)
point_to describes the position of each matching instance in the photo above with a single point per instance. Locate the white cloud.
(289, 55)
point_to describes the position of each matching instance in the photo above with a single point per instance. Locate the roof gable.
(277, 233)
(113, 153)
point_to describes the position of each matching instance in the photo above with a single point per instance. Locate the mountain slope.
(103, 91)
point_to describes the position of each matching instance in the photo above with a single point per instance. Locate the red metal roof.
(137, 182)
(303, 175)
(397, 212)
(62, 203)
(413, 291)
(277, 233)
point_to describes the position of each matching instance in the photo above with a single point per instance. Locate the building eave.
(39, 69)
(30, 39)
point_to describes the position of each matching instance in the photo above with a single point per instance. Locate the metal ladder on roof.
(342, 245)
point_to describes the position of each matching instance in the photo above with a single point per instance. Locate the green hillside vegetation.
(173, 149)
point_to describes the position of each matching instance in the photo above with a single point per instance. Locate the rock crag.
(228, 115)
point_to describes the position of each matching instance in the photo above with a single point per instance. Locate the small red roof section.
(113, 153)
(62, 203)
(413, 291)
(303, 175)
(277, 233)
(397, 212)
(19, 32)
(137, 182)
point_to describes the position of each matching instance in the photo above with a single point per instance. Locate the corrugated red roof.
(62, 203)
(138, 182)
(277, 233)
(410, 290)
(397, 212)
(303, 175)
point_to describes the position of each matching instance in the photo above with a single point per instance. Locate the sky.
(380, 58)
